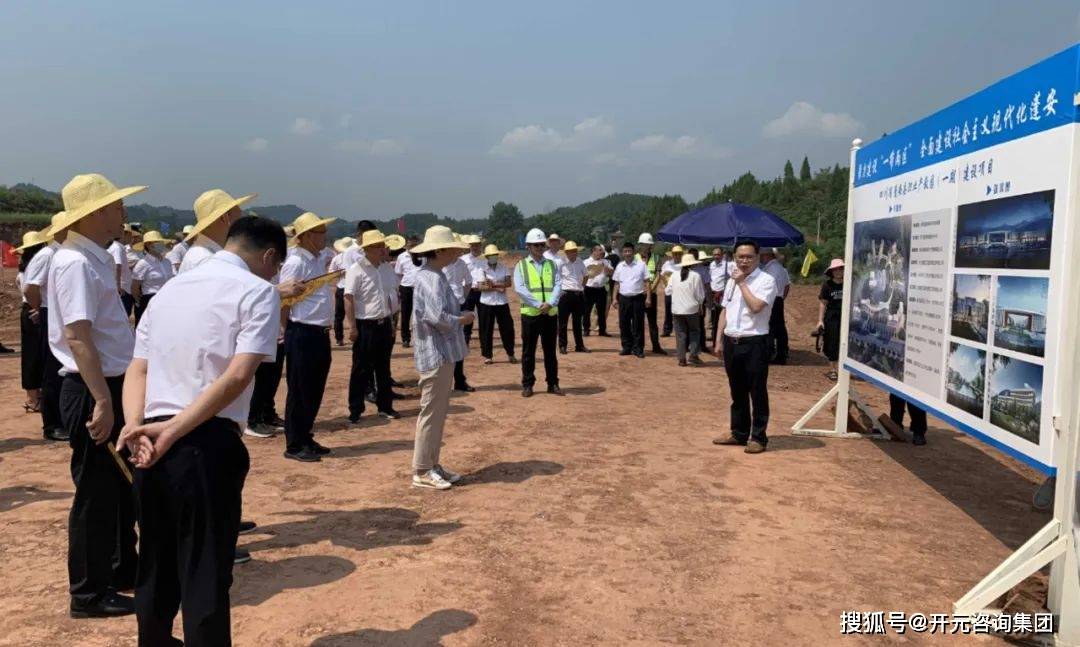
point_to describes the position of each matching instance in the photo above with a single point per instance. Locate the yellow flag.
(808, 262)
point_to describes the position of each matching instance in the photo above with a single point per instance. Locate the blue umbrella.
(727, 222)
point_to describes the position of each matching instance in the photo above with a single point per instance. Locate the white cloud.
(378, 148)
(538, 139)
(345, 120)
(804, 118)
(684, 146)
(610, 159)
(256, 145)
(305, 126)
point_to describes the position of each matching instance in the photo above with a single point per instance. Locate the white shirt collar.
(307, 256)
(75, 239)
(208, 243)
(232, 259)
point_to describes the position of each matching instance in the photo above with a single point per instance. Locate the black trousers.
(50, 380)
(778, 342)
(267, 381)
(572, 310)
(714, 316)
(101, 526)
(32, 364)
(472, 299)
(128, 302)
(747, 366)
(667, 314)
(632, 323)
(488, 317)
(307, 350)
(371, 357)
(702, 336)
(140, 307)
(339, 316)
(596, 298)
(544, 328)
(406, 294)
(918, 414)
(654, 330)
(189, 515)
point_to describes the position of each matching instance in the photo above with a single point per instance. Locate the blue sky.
(967, 361)
(358, 109)
(1022, 293)
(975, 286)
(1017, 375)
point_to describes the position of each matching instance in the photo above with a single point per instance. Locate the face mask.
(493, 262)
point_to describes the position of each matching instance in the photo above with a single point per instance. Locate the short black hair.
(364, 225)
(747, 241)
(257, 233)
(628, 245)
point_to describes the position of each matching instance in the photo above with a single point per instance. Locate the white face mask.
(493, 261)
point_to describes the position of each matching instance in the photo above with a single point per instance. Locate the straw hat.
(341, 244)
(395, 242)
(472, 239)
(678, 249)
(87, 193)
(151, 236)
(702, 256)
(307, 221)
(187, 229)
(51, 229)
(688, 260)
(554, 236)
(458, 237)
(835, 264)
(493, 250)
(30, 239)
(372, 237)
(570, 246)
(211, 206)
(437, 237)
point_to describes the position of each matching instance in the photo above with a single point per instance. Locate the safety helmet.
(535, 236)
(645, 239)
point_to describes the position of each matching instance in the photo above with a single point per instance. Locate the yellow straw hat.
(702, 256)
(493, 250)
(688, 260)
(30, 239)
(570, 246)
(290, 235)
(49, 231)
(187, 229)
(395, 242)
(151, 236)
(438, 237)
(473, 239)
(341, 244)
(87, 193)
(307, 221)
(678, 249)
(211, 206)
(372, 237)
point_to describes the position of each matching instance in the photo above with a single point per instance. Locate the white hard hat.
(535, 236)
(645, 239)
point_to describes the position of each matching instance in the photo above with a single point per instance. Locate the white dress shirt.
(555, 257)
(19, 286)
(318, 308)
(572, 275)
(368, 287)
(405, 268)
(198, 253)
(686, 296)
(37, 271)
(776, 270)
(741, 322)
(196, 324)
(325, 256)
(460, 278)
(631, 277)
(176, 254)
(82, 287)
(338, 263)
(390, 281)
(153, 272)
(497, 274)
(669, 268)
(601, 279)
(120, 259)
(719, 273)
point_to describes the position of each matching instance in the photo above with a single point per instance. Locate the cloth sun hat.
(688, 260)
(372, 237)
(151, 236)
(570, 246)
(835, 264)
(645, 239)
(307, 221)
(493, 250)
(32, 238)
(87, 193)
(535, 236)
(212, 205)
(395, 242)
(341, 244)
(437, 237)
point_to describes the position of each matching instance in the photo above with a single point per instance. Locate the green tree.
(804, 170)
(789, 172)
(505, 224)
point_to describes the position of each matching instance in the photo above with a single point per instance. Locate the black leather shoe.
(582, 349)
(512, 359)
(319, 449)
(406, 344)
(274, 420)
(394, 395)
(355, 417)
(527, 392)
(389, 414)
(918, 439)
(562, 351)
(394, 383)
(659, 351)
(625, 352)
(247, 526)
(555, 390)
(305, 455)
(464, 387)
(58, 434)
(109, 606)
(4, 350)
(639, 354)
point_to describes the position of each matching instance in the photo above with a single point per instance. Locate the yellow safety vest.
(540, 284)
(651, 266)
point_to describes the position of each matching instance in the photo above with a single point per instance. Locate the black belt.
(745, 340)
(375, 322)
(231, 424)
(297, 324)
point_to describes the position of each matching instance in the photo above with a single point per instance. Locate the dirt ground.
(604, 517)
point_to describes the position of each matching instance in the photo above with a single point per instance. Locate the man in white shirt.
(176, 254)
(778, 342)
(368, 320)
(406, 271)
(90, 336)
(596, 290)
(337, 264)
(494, 308)
(631, 277)
(554, 246)
(670, 266)
(747, 305)
(307, 340)
(118, 250)
(459, 276)
(215, 211)
(35, 282)
(186, 396)
(472, 260)
(572, 300)
(719, 271)
(645, 254)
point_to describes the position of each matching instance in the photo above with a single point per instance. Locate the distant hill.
(593, 221)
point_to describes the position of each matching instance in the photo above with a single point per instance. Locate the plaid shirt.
(437, 334)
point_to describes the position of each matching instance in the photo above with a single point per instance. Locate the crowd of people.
(165, 353)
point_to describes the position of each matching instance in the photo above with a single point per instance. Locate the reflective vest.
(540, 284)
(651, 266)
